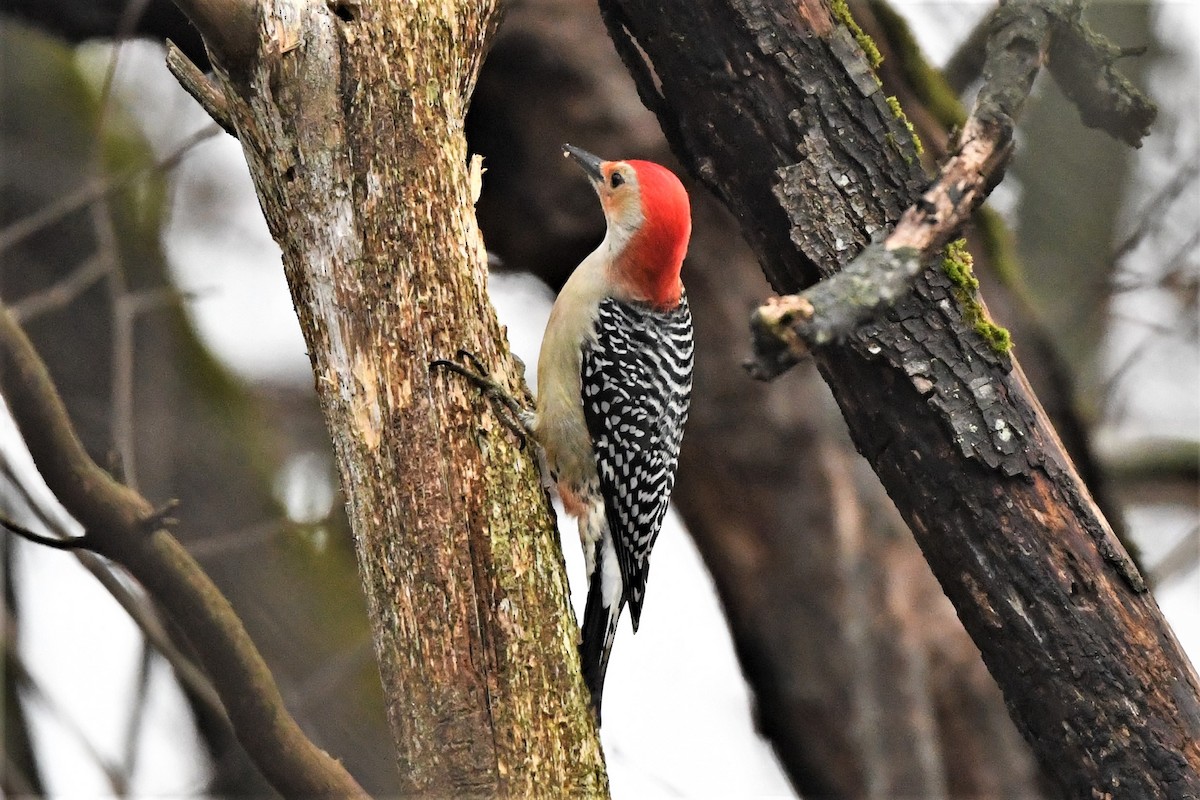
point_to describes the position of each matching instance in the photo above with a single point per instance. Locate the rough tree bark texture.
(197, 435)
(351, 119)
(784, 120)
(865, 682)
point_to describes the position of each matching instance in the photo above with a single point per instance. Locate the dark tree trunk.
(775, 108)
(865, 682)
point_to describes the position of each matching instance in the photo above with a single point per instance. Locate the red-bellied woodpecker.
(614, 383)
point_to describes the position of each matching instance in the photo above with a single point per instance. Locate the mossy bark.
(351, 117)
(773, 106)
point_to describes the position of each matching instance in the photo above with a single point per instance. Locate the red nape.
(655, 254)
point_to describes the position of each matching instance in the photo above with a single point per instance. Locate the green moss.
(841, 12)
(928, 83)
(898, 112)
(958, 266)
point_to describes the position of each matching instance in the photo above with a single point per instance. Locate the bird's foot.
(509, 410)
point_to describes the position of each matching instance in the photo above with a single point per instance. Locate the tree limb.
(115, 519)
(200, 87)
(1019, 36)
(229, 28)
(814, 163)
(1082, 63)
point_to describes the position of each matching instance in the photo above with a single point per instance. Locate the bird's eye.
(616, 180)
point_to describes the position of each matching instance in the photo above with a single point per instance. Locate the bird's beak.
(590, 163)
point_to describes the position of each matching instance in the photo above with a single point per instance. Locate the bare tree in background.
(843, 572)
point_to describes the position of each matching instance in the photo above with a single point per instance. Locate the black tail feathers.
(599, 628)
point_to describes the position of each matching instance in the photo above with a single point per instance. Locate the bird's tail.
(599, 628)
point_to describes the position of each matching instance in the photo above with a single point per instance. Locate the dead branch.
(207, 93)
(229, 28)
(114, 518)
(785, 329)
(94, 190)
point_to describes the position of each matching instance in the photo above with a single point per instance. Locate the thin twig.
(1179, 560)
(53, 542)
(1151, 215)
(34, 692)
(61, 293)
(232, 541)
(125, 26)
(93, 190)
(137, 711)
(122, 351)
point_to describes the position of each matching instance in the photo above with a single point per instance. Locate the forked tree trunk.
(351, 118)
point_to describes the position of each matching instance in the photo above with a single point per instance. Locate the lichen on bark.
(957, 264)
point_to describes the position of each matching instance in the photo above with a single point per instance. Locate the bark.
(351, 117)
(804, 156)
(865, 683)
(1011, 287)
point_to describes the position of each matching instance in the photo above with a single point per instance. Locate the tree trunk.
(351, 119)
(776, 109)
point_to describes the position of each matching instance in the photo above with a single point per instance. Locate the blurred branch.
(60, 294)
(20, 774)
(1082, 63)
(1150, 216)
(34, 691)
(966, 64)
(219, 544)
(1181, 558)
(131, 14)
(137, 711)
(93, 190)
(120, 524)
(121, 348)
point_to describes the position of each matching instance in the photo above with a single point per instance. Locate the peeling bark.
(351, 119)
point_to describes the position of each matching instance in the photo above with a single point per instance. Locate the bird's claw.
(490, 388)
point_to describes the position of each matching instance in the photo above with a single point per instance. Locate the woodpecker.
(614, 385)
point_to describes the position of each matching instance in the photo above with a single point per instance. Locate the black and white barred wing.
(636, 380)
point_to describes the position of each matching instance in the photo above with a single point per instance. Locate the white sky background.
(658, 739)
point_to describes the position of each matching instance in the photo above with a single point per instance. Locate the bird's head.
(649, 223)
